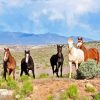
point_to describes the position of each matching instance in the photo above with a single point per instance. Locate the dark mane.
(57, 60)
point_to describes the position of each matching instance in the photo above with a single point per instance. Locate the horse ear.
(4, 48)
(25, 51)
(81, 38)
(62, 45)
(78, 38)
(29, 51)
(7, 49)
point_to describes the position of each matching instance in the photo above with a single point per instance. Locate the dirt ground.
(55, 86)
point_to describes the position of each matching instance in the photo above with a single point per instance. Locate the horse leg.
(53, 69)
(21, 72)
(61, 70)
(76, 65)
(14, 74)
(70, 70)
(5, 70)
(57, 69)
(26, 72)
(33, 73)
(10, 70)
(4, 75)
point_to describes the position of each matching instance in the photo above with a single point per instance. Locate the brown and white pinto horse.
(91, 53)
(9, 63)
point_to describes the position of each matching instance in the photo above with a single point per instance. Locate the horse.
(91, 53)
(57, 60)
(9, 63)
(27, 64)
(75, 55)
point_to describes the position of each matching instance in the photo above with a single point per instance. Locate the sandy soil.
(54, 86)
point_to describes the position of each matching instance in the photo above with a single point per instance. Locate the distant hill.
(34, 39)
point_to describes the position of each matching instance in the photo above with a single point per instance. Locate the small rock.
(89, 85)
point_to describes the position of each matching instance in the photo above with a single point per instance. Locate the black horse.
(57, 60)
(27, 64)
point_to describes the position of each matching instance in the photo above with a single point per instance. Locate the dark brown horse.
(91, 53)
(57, 60)
(9, 63)
(27, 64)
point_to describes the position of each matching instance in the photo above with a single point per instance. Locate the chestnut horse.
(91, 53)
(9, 63)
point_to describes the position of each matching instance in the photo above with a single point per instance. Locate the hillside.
(34, 39)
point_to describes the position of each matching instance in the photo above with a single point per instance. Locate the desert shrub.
(63, 96)
(88, 69)
(84, 98)
(44, 75)
(97, 96)
(50, 97)
(11, 83)
(26, 88)
(89, 88)
(24, 78)
(72, 92)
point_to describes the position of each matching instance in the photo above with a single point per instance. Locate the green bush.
(88, 69)
(72, 92)
(97, 96)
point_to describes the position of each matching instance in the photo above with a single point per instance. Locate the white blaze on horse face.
(5, 56)
(27, 57)
(79, 44)
(70, 44)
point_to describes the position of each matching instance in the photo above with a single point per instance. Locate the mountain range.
(35, 39)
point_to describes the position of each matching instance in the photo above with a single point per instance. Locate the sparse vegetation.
(20, 89)
(67, 75)
(90, 89)
(27, 88)
(12, 84)
(24, 78)
(63, 96)
(43, 75)
(72, 92)
(50, 97)
(97, 96)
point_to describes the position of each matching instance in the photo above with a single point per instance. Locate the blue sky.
(64, 17)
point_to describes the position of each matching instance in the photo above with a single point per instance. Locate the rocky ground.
(54, 86)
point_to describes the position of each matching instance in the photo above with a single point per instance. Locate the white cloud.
(68, 10)
(56, 15)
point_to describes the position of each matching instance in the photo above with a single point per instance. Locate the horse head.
(59, 50)
(27, 55)
(70, 44)
(80, 42)
(6, 54)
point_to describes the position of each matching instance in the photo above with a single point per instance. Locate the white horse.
(75, 55)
